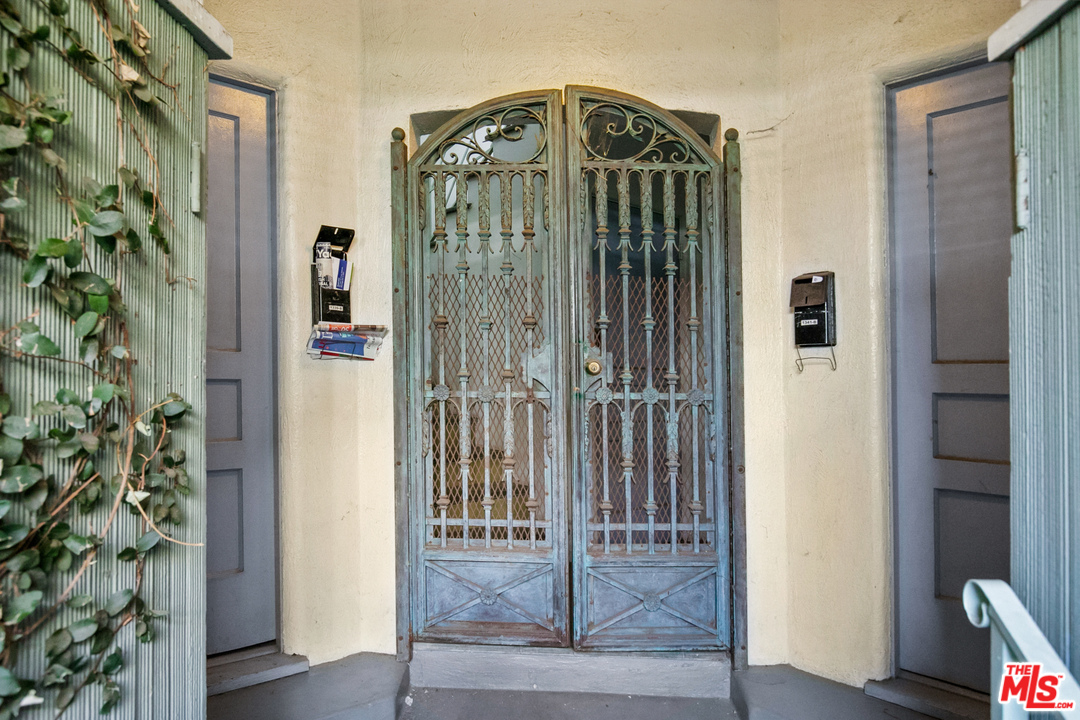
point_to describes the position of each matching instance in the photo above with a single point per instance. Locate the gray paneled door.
(952, 221)
(241, 561)
(568, 377)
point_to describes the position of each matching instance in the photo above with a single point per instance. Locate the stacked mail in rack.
(342, 340)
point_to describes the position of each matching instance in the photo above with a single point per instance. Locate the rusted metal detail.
(398, 240)
(736, 414)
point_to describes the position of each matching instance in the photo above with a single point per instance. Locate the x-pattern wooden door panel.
(567, 377)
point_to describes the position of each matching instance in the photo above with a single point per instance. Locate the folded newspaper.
(342, 340)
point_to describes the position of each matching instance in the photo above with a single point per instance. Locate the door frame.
(731, 324)
(223, 73)
(928, 71)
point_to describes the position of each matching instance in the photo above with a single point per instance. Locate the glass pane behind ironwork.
(488, 331)
(641, 325)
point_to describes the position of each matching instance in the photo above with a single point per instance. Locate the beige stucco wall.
(817, 494)
(834, 59)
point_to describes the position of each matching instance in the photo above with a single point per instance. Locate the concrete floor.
(376, 687)
(444, 704)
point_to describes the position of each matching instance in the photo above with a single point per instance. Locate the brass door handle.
(593, 367)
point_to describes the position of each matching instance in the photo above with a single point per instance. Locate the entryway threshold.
(250, 666)
(931, 697)
(487, 667)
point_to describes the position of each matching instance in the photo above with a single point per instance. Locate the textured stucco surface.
(817, 452)
(834, 59)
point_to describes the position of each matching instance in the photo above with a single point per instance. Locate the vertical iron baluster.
(484, 233)
(694, 324)
(440, 322)
(528, 210)
(627, 376)
(648, 323)
(602, 322)
(506, 211)
(672, 375)
(461, 191)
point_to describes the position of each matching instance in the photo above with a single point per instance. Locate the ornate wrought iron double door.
(567, 377)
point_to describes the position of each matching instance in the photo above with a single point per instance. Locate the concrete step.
(249, 668)
(931, 698)
(780, 692)
(476, 667)
(365, 686)
(450, 704)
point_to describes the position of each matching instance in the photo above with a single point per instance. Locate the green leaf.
(52, 247)
(83, 629)
(12, 205)
(42, 33)
(21, 607)
(104, 392)
(5, 506)
(112, 663)
(77, 543)
(58, 642)
(89, 283)
(133, 241)
(10, 450)
(106, 222)
(24, 560)
(17, 478)
(35, 271)
(84, 211)
(58, 7)
(43, 132)
(64, 558)
(98, 303)
(118, 601)
(65, 696)
(110, 696)
(52, 159)
(108, 195)
(74, 416)
(67, 397)
(11, 24)
(88, 350)
(145, 94)
(78, 601)
(155, 480)
(147, 541)
(17, 58)
(90, 442)
(119, 352)
(46, 407)
(12, 534)
(106, 243)
(127, 554)
(74, 255)
(128, 176)
(38, 344)
(9, 684)
(86, 323)
(13, 137)
(20, 427)
(102, 640)
(174, 409)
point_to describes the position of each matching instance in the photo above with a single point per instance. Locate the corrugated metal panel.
(1044, 316)
(165, 678)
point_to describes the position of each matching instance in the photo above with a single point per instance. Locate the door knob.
(593, 367)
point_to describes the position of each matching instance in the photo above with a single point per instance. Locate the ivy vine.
(81, 455)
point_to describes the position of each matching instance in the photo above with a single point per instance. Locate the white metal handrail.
(1014, 638)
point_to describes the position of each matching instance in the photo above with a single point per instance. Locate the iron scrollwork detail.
(476, 145)
(606, 127)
